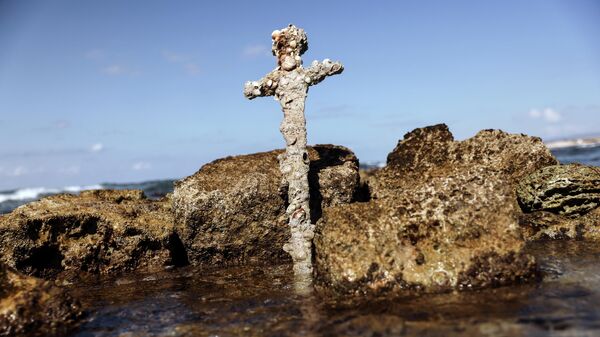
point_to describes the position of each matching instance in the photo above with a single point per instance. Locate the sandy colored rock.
(453, 232)
(33, 307)
(432, 151)
(98, 232)
(443, 216)
(570, 190)
(233, 210)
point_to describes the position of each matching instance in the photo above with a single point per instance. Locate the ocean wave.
(579, 143)
(36, 192)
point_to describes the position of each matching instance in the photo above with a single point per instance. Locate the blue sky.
(97, 91)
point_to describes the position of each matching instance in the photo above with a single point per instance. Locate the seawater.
(589, 155)
(260, 301)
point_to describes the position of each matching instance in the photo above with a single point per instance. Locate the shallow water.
(252, 301)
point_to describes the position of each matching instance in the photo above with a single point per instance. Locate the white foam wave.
(35, 192)
(577, 143)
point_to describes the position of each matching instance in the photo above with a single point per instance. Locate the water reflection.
(262, 301)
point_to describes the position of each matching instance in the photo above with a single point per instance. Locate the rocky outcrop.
(444, 216)
(453, 232)
(98, 232)
(432, 151)
(233, 209)
(32, 307)
(571, 190)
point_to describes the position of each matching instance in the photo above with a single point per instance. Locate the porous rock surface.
(32, 307)
(432, 151)
(444, 216)
(570, 190)
(97, 232)
(233, 210)
(544, 225)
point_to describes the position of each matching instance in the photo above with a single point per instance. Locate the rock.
(33, 307)
(432, 151)
(98, 232)
(233, 209)
(443, 216)
(571, 190)
(454, 232)
(543, 225)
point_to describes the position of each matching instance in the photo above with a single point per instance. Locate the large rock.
(98, 232)
(444, 216)
(432, 151)
(32, 307)
(571, 190)
(453, 232)
(233, 209)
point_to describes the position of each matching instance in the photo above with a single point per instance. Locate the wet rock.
(33, 307)
(97, 232)
(571, 190)
(543, 225)
(233, 209)
(444, 216)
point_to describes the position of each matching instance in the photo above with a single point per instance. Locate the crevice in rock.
(44, 261)
(316, 198)
(178, 252)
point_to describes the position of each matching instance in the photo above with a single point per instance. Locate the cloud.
(569, 121)
(186, 61)
(117, 69)
(108, 65)
(114, 69)
(548, 115)
(21, 170)
(255, 50)
(18, 171)
(62, 124)
(192, 68)
(174, 57)
(95, 54)
(141, 165)
(95, 148)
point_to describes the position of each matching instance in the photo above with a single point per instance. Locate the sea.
(11, 199)
(588, 154)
